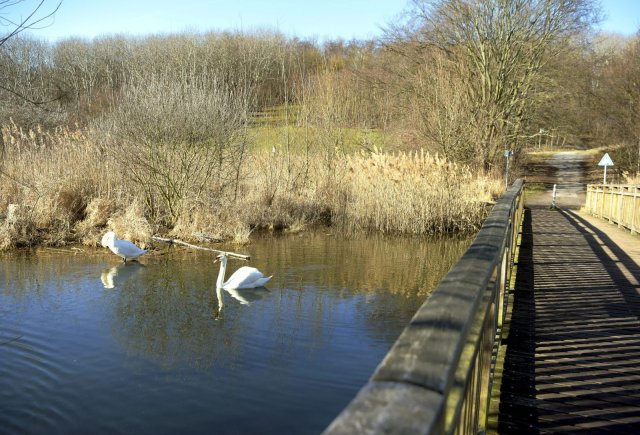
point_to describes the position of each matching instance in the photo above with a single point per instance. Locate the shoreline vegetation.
(62, 188)
(217, 135)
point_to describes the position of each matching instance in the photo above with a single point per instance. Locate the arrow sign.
(605, 161)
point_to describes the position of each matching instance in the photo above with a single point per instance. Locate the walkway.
(572, 354)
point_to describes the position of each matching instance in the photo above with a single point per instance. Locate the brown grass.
(58, 188)
(415, 193)
(631, 179)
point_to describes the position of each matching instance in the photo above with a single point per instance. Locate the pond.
(91, 345)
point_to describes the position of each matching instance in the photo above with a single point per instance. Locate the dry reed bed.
(59, 188)
(632, 179)
(415, 193)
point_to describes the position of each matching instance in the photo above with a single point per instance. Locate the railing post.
(502, 282)
(623, 204)
(602, 204)
(621, 207)
(634, 207)
(611, 196)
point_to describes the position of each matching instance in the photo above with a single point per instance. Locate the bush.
(172, 137)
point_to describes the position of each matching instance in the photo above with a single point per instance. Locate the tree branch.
(30, 22)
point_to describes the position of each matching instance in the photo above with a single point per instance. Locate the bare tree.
(15, 23)
(439, 111)
(497, 49)
(619, 95)
(27, 77)
(36, 17)
(172, 138)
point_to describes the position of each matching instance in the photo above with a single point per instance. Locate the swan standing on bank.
(245, 277)
(122, 248)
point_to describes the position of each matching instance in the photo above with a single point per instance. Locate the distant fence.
(437, 377)
(619, 203)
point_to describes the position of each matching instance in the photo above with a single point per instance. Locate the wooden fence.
(437, 376)
(619, 203)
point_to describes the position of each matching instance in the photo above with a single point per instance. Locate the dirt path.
(568, 171)
(571, 171)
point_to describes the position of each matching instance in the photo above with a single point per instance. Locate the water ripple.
(161, 352)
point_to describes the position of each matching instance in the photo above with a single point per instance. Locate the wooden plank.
(572, 360)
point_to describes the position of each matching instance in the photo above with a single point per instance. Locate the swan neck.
(223, 268)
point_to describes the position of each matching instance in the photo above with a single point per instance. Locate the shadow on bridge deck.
(571, 360)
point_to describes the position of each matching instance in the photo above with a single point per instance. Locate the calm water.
(90, 345)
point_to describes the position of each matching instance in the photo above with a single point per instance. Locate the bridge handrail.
(618, 203)
(437, 376)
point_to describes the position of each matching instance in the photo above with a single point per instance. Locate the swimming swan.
(122, 248)
(245, 277)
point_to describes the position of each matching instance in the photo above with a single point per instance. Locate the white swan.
(122, 248)
(245, 277)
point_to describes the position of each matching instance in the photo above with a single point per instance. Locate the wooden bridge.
(535, 330)
(570, 354)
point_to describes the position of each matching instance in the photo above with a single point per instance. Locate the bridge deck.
(571, 359)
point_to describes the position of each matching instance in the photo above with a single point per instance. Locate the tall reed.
(414, 193)
(60, 187)
(49, 178)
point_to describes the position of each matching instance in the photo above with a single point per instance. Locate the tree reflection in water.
(167, 310)
(160, 342)
(171, 313)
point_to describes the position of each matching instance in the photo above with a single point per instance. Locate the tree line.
(466, 79)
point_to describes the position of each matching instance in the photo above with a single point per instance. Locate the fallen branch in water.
(189, 245)
(72, 250)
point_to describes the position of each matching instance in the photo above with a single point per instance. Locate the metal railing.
(437, 376)
(619, 203)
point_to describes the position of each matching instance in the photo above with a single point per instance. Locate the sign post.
(605, 161)
(507, 154)
(540, 133)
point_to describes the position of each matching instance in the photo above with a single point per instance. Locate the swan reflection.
(217, 312)
(122, 271)
(247, 296)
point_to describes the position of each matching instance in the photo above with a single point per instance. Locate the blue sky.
(621, 16)
(316, 19)
(319, 19)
